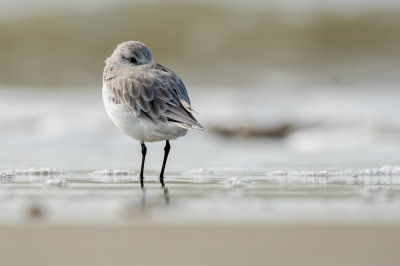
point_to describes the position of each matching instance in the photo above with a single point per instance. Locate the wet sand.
(199, 245)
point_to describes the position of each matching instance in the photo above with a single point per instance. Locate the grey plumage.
(151, 92)
(145, 100)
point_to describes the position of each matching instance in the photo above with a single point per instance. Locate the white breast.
(137, 128)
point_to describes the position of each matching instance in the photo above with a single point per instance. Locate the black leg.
(142, 183)
(144, 150)
(166, 152)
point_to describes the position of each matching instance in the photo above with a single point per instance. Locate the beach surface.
(199, 245)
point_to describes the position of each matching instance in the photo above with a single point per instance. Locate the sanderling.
(145, 100)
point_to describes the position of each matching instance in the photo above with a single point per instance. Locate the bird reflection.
(143, 192)
(165, 191)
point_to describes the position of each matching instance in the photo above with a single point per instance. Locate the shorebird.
(145, 100)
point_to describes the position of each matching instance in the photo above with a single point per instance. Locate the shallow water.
(229, 195)
(332, 169)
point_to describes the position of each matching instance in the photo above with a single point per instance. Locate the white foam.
(352, 173)
(32, 171)
(314, 173)
(116, 179)
(56, 182)
(238, 182)
(199, 172)
(281, 172)
(387, 170)
(221, 171)
(390, 170)
(114, 172)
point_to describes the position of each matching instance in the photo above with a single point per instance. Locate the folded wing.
(154, 93)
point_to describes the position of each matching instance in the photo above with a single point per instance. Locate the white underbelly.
(137, 128)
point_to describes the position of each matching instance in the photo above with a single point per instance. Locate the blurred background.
(304, 77)
(304, 85)
(232, 43)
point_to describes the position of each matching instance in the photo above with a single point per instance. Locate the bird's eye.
(133, 60)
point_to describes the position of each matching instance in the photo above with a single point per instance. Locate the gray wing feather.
(157, 83)
(139, 77)
(127, 86)
(163, 107)
(120, 94)
(127, 99)
(144, 105)
(177, 118)
(147, 92)
(182, 125)
(182, 112)
(163, 94)
(173, 79)
(135, 92)
(135, 108)
(174, 100)
(154, 93)
(148, 81)
(154, 109)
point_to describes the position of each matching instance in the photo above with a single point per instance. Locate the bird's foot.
(162, 181)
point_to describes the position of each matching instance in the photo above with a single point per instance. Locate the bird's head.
(130, 53)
